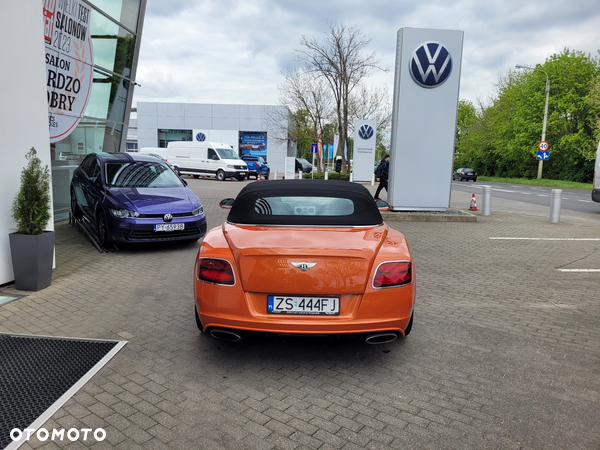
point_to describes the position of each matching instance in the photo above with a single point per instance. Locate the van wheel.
(196, 176)
(221, 175)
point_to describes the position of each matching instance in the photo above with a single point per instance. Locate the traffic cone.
(258, 177)
(473, 206)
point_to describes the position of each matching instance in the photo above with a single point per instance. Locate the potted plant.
(31, 247)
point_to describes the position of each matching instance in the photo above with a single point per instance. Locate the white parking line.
(578, 270)
(502, 190)
(542, 239)
(585, 201)
(542, 195)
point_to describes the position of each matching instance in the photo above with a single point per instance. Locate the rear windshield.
(140, 174)
(303, 206)
(227, 153)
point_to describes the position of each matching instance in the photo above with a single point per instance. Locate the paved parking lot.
(504, 352)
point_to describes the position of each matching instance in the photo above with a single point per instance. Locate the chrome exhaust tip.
(225, 335)
(381, 338)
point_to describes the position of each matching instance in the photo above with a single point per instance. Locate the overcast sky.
(233, 51)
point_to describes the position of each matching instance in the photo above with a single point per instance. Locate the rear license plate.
(169, 227)
(312, 306)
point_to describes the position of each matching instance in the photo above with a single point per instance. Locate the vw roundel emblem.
(365, 132)
(430, 65)
(168, 217)
(303, 266)
(201, 137)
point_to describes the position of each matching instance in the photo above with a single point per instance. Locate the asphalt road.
(572, 199)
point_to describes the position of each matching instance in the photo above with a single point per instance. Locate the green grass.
(547, 183)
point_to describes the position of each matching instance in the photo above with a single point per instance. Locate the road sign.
(542, 156)
(544, 146)
(313, 148)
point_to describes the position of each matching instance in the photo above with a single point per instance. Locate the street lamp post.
(521, 66)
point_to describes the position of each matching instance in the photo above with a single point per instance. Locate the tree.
(502, 140)
(341, 62)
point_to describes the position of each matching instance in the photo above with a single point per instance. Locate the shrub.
(31, 207)
(331, 176)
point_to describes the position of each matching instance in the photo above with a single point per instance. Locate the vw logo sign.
(168, 217)
(365, 132)
(430, 65)
(200, 137)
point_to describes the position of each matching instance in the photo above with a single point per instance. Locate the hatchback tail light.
(217, 271)
(395, 273)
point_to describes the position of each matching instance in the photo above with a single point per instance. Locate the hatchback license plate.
(313, 306)
(169, 227)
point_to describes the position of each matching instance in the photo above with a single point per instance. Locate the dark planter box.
(32, 257)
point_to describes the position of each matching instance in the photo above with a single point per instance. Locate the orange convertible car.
(304, 257)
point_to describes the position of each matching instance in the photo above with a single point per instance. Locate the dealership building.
(250, 129)
(69, 92)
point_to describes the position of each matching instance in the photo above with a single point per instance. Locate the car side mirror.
(382, 205)
(226, 203)
(94, 180)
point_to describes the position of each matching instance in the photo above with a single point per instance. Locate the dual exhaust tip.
(375, 338)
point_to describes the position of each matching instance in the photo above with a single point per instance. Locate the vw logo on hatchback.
(168, 217)
(365, 132)
(200, 137)
(430, 65)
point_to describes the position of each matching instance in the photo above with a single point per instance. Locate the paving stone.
(504, 351)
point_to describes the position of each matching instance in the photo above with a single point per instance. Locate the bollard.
(486, 201)
(555, 198)
(326, 175)
(300, 174)
(373, 180)
(275, 175)
(351, 177)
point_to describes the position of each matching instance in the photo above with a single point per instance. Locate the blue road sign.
(313, 148)
(542, 156)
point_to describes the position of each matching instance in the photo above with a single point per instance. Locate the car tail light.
(390, 274)
(462, 173)
(217, 271)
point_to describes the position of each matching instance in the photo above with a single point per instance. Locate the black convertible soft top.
(290, 202)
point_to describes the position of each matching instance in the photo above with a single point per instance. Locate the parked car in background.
(256, 165)
(464, 173)
(129, 197)
(596, 181)
(303, 165)
(305, 258)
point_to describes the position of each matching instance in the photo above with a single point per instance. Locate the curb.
(452, 215)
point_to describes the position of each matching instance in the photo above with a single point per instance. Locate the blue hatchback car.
(135, 198)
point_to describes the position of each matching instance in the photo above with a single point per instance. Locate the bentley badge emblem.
(303, 266)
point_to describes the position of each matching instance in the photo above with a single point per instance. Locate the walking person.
(382, 172)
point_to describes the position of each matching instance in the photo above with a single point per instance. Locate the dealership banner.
(426, 87)
(69, 63)
(253, 143)
(365, 133)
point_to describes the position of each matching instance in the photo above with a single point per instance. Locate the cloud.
(233, 51)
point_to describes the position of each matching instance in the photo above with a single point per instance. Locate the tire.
(241, 178)
(267, 175)
(75, 211)
(196, 176)
(198, 323)
(220, 175)
(102, 229)
(409, 326)
(475, 180)
(461, 179)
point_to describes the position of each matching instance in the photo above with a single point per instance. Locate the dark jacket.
(382, 170)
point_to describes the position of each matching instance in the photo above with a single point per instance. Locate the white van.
(206, 158)
(596, 185)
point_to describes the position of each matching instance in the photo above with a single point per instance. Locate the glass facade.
(166, 136)
(114, 26)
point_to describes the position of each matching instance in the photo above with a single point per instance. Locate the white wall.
(24, 108)
(221, 120)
